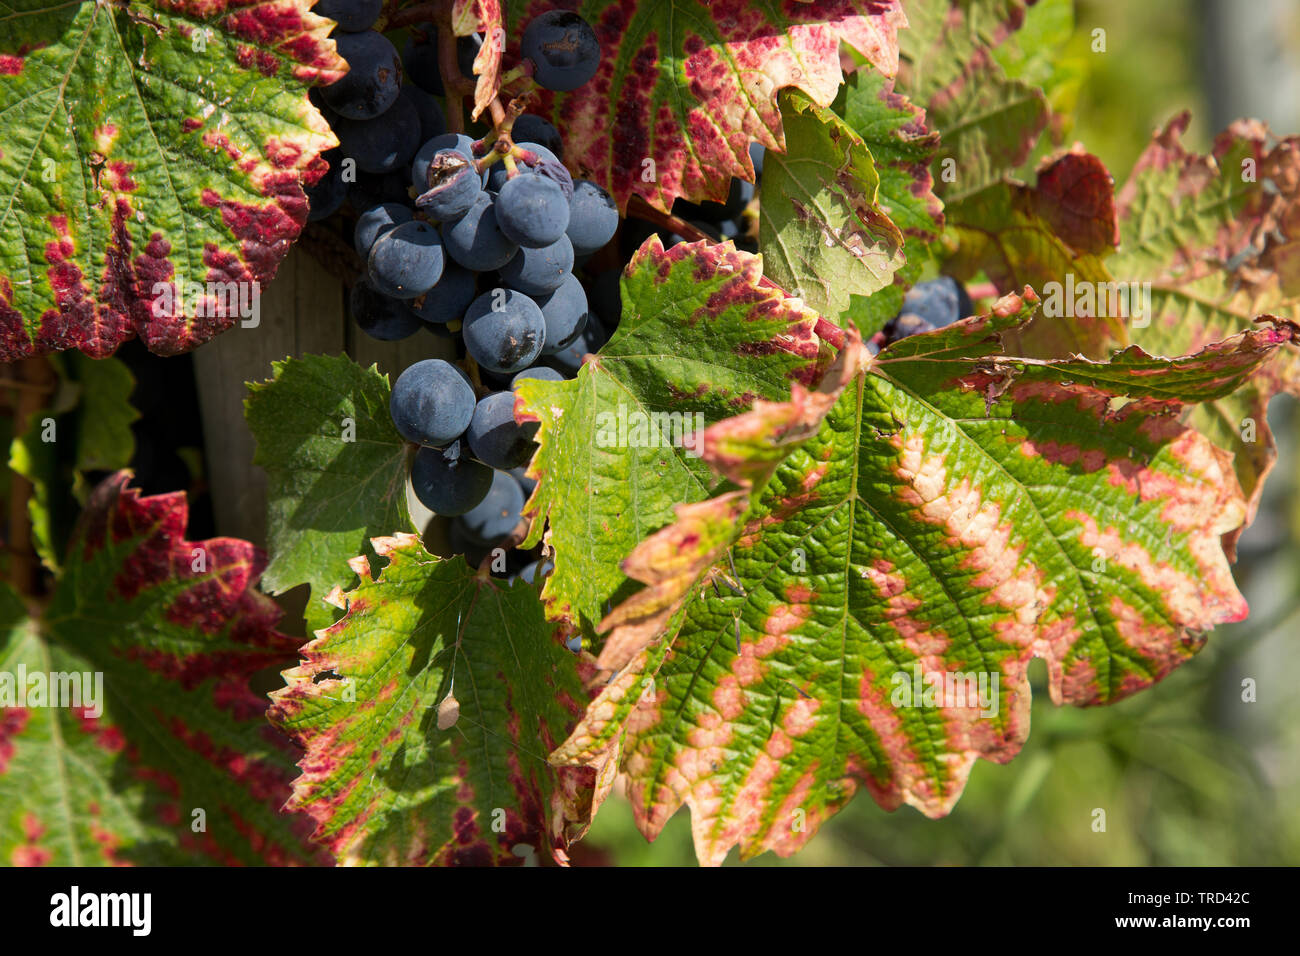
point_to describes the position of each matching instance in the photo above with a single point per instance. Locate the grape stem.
(638, 207)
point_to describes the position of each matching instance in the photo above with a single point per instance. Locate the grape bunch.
(472, 238)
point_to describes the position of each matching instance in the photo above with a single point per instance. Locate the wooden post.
(302, 312)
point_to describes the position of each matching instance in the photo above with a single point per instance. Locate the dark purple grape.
(432, 121)
(563, 48)
(379, 316)
(454, 185)
(376, 221)
(449, 482)
(532, 210)
(499, 512)
(384, 143)
(448, 300)
(373, 81)
(533, 129)
(432, 403)
(495, 438)
(406, 261)
(504, 331)
(476, 240)
(593, 217)
(565, 311)
(539, 271)
(420, 58)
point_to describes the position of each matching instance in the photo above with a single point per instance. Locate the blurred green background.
(1187, 772)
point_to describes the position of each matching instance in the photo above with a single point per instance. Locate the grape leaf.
(902, 146)
(336, 471)
(157, 143)
(701, 337)
(427, 713)
(1216, 239)
(989, 122)
(1057, 231)
(684, 87)
(959, 513)
(823, 235)
(88, 428)
(175, 631)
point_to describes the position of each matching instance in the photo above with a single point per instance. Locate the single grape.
(504, 331)
(432, 403)
(384, 143)
(565, 311)
(448, 300)
(563, 48)
(352, 16)
(454, 185)
(373, 81)
(533, 129)
(376, 221)
(420, 58)
(449, 482)
(539, 372)
(757, 153)
(532, 210)
(498, 513)
(495, 438)
(406, 261)
(539, 271)
(432, 121)
(593, 217)
(327, 195)
(476, 240)
(379, 316)
(940, 301)
(424, 155)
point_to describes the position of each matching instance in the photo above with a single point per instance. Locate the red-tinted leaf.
(177, 632)
(683, 89)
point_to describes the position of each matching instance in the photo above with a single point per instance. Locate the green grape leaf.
(823, 234)
(989, 122)
(902, 146)
(683, 88)
(1215, 241)
(959, 513)
(701, 338)
(151, 166)
(427, 713)
(87, 428)
(160, 728)
(336, 471)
